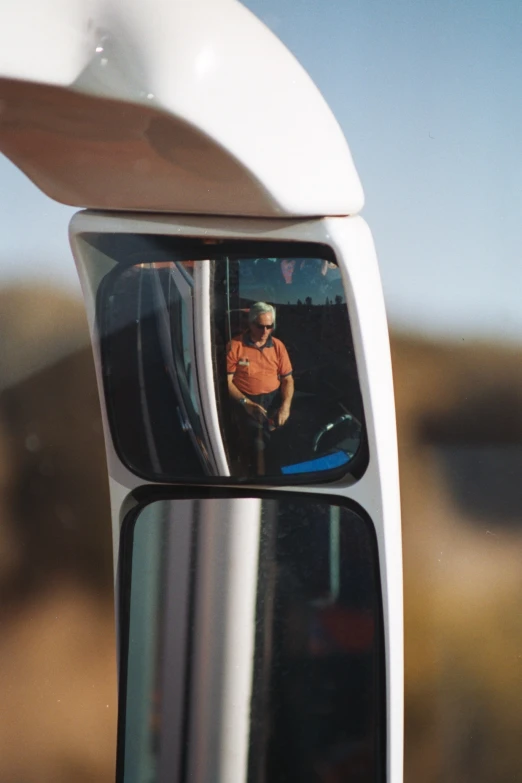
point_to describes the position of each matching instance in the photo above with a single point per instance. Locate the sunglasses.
(264, 326)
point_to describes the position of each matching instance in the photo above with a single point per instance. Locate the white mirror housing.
(192, 107)
(192, 111)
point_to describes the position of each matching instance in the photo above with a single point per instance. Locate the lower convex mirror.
(217, 363)
(252, 644)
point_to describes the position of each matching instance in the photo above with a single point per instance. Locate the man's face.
(258, 328)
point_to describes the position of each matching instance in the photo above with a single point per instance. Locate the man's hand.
(282, 415)
(256, 411)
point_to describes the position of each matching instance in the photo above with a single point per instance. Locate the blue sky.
(428, 95)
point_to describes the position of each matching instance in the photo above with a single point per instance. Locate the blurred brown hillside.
(57, 651)
(460, 440)
(460, 447)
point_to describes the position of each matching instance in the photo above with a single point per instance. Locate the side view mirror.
(259, 567)
(242, 356)
(263, 611)
(196, 388)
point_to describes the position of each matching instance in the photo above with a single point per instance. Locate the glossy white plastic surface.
(188, 106)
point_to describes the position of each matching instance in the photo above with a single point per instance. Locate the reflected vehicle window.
(292, 404)
(290, 673)
(221, 364)
(150, 371)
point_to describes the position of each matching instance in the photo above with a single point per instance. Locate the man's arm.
(232, 388)
(287, 392)
(251, 407)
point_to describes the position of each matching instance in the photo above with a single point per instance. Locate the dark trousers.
(254, 436)
(271, 402)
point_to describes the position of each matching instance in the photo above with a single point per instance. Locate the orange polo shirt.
(257, 370)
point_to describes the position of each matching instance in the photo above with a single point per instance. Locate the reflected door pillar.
(224, 640)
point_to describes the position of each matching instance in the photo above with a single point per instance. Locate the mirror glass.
(221, 363)
(252, 648)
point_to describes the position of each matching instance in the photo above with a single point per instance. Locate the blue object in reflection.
(327, 462)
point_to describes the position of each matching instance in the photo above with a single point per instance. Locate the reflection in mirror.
(292, 404)
(252, 644)
(219, 363)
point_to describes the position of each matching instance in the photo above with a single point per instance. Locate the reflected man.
(259, 371)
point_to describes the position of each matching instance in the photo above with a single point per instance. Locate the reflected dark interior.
(157, 388)
(317, 704)
(317, 690)
(150, 422)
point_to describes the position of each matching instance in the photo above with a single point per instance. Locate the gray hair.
(259, 308)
